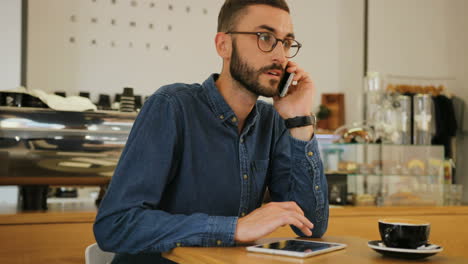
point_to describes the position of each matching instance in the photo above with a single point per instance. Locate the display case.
(384, 174)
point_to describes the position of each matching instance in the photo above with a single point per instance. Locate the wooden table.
(61, 234)
(357, 251)
(353, 226)
(449, 224)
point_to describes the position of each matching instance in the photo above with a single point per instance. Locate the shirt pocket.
(259, 172)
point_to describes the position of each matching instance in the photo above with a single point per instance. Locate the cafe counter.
(61, 235)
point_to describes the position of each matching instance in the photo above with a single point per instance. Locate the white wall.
(420, 38)
(10, 44)
(57, 64)
(10, 66)
(424, 38)
(330, 31)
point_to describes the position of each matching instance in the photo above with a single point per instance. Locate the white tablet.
(296, 248)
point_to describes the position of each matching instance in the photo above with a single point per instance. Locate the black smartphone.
(285, 82)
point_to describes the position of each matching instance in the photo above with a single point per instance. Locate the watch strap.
(300, 121)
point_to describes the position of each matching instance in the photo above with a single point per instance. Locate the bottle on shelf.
(404, 119)
(422, 124)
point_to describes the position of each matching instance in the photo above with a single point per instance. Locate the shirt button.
(242, 140)
(246, 177)
(242, 214)
(317, 187)
(234, 119)
(178, 244)
(221, 117)
(219, 242)
(310, 154)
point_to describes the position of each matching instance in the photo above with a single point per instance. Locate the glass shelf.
(386, 174)
(375, 174)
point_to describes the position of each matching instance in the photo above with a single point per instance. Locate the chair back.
(94, 255)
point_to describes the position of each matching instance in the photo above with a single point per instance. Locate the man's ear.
(223, 45)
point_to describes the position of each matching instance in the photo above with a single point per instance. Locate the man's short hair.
(232, 10)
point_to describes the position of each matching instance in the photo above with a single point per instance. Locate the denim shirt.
(185, 175)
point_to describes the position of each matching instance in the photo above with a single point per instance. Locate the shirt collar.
(219, 106)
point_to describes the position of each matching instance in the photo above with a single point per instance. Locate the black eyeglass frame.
(258, 34)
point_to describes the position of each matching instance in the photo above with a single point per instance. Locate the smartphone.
(296, 248)
(285, 82)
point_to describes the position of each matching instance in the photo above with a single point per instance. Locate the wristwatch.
(300, 121)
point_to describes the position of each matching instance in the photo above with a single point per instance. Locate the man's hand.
(300, 97)
(298, 101)
(268, 218)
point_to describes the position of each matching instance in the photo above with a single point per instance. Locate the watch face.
(313, 118)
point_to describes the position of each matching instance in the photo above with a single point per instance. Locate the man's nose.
(279, 55)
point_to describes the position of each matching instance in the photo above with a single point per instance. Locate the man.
(199, 157)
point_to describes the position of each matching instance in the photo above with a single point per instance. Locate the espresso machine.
(42, 142)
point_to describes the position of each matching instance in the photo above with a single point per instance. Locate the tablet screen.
(297, 246)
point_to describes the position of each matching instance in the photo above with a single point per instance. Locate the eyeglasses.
(267, 42)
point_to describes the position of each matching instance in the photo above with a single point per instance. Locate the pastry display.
(365, 200)
(407, 199)
(347, 167)
(434, 90)
(416, 167)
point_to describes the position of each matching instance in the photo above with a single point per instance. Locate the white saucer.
(419, 253)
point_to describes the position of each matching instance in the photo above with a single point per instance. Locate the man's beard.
(249, 77)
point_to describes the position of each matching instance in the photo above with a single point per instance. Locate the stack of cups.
(127, 100)
(116, 105)
(84, 94)
(104, 102)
